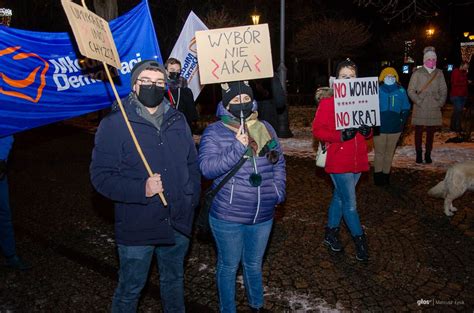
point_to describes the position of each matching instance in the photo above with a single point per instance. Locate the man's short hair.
(172, 61)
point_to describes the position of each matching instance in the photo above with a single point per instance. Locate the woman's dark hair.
(346, 63)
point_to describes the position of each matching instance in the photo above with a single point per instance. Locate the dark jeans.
(134, 266)
(458, 106)
(7, 238)
(430, 131)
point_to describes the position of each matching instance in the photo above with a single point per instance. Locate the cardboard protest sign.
(356, 102)
(235, 53)
(92, 33)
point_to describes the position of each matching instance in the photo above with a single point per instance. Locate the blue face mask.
(389, 80)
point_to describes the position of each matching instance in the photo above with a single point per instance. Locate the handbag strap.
(428, 83)
(323, 146)
(228, 176)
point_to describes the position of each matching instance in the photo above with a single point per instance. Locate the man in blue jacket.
(143, 225)
(7, 236)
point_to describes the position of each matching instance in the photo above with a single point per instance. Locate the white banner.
(185, 51)
(356, 102)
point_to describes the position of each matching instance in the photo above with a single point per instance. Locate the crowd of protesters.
(242, 150)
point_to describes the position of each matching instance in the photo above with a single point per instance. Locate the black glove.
(348, 134)
(364, 130)
(3, 169)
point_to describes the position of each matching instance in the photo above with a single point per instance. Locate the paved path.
(420, 259)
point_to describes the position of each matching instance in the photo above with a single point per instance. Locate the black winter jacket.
(118, 173)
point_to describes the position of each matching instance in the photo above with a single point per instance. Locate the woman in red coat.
(346, 159)
(458, 95)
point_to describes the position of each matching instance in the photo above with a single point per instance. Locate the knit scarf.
(258, 133)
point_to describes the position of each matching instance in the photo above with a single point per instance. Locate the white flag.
(185, 51)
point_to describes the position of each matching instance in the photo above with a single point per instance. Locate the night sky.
(169, 17)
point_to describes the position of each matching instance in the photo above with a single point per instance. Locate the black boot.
(378, 179)
(362, 250)
(331, 239)
(428, 159)
(419, 156)
(259, 310)
(386, 179)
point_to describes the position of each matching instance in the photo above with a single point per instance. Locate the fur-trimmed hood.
(323, 92)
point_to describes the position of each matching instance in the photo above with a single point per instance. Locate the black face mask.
(174, 76)
(245, 106)
(151, 96)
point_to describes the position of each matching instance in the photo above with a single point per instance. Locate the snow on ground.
(301, 144)
(300, 302)
(443, 154)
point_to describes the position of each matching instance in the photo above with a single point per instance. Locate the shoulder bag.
(321, 154)
(208, 197)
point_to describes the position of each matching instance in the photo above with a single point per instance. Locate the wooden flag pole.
(137, 145)
(127, 122)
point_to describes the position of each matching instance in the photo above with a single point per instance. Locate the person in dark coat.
(143, 225)
(270, 99)
(179, 95)
(7, 235)
(458, 94)
(241, 214)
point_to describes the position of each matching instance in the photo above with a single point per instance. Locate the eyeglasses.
(149, 82)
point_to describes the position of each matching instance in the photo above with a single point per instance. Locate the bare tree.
(327, 39)
(393, 45)
(403, 9)
(406, 10)
(108, 9)
(220, 19)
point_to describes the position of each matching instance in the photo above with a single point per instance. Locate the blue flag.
(44, 79)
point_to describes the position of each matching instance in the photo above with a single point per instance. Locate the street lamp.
(430, 31)
(5, 16)
(255, 17)
(466, 34)
(283, 128)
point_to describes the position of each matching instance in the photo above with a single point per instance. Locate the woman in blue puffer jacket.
(241, 214)
(394, 111)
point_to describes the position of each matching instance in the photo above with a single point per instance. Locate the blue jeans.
(343, 203)
(7, 237)
(236, 242)
(458, 106)
(134, 266)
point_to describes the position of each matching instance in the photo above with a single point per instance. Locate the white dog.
(458, 179)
